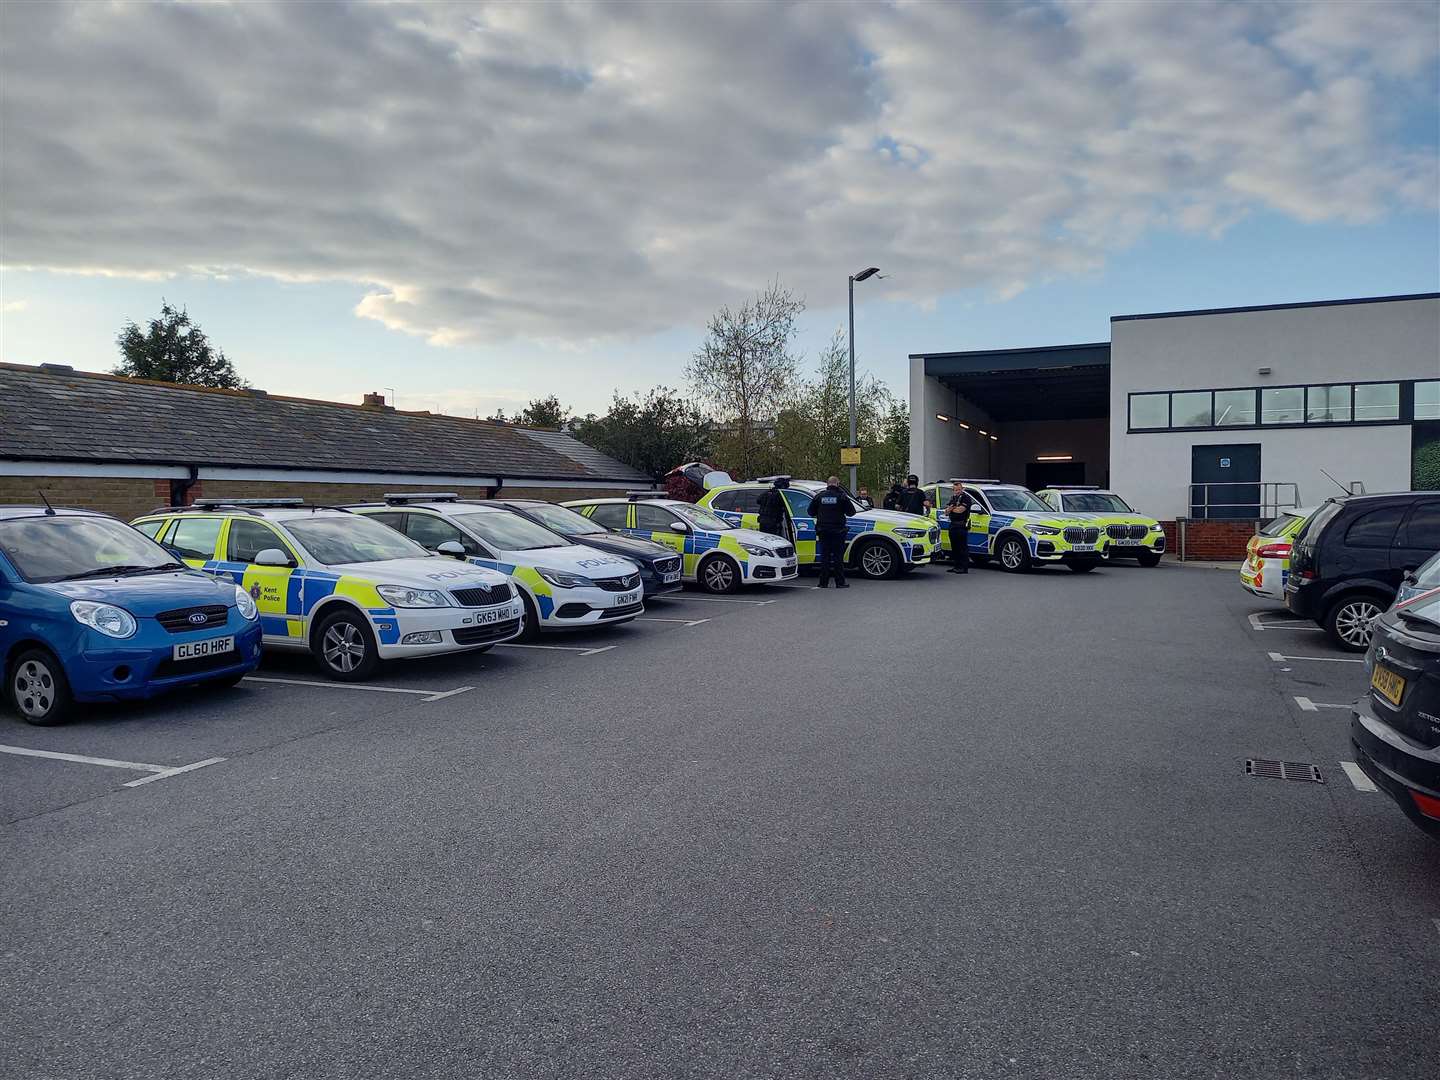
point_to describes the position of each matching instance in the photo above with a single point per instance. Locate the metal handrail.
(1272, 497)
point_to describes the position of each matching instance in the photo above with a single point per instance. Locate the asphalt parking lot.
(985, 827)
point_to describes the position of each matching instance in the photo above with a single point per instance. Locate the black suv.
(1352, 554)
(1395, 727)
(659, 565)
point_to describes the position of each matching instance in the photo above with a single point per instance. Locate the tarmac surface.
(979, 827)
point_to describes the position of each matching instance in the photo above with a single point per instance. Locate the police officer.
(959, 507)
(912, 499)
(894, 497)
(830, 508)
(772, 507)
(862, 497)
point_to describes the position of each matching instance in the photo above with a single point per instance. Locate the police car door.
(281, 618)
(979, 524)
(658, 523)
(195, 539)
(802, 525)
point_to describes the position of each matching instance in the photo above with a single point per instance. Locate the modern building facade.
(1218, 414)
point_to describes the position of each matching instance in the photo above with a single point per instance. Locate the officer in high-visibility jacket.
(831, 507)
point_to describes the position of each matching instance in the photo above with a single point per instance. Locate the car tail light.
(1308, 575)
(1274, 551)
(1427, 805)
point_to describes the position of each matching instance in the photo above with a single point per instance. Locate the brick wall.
(125, 497)
(1210, 541)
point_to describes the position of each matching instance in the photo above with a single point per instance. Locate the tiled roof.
(52, 414)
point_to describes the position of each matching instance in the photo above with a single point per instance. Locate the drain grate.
(1283, 770)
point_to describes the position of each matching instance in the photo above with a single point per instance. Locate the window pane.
(430, 532)
(151, 528)
(1427, 400)
(1327, 404)
(1190, 410)
(611, 515)
(248, 538)
(1377, 401)
(1375, 529)
(1423, 529)
(1149, 410)
(1285, 405)
(195, 537)
(1234, 407)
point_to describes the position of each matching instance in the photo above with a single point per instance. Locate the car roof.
(267, 513)
(8, 513)
(471, 506)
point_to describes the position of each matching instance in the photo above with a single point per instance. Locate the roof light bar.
(210, 503)
(400, 498)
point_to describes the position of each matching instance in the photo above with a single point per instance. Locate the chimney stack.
(373, 401)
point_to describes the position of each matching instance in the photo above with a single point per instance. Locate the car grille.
(477, 597)
(180, 620)
(666, 566)
(621, 612)
(1137, 532)
(785, 551)
(620, 584)
(1126, 532)
(1075, 535)
(478, 635)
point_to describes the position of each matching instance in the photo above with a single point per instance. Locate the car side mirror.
(1410, 578)
(273, 557)
(452, 548)
(679, 526)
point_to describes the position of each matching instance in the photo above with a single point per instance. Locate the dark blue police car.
(92, 610)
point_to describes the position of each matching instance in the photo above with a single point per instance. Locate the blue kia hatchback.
(92, 610)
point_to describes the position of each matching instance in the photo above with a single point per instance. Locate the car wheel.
(1082, 567)
(1349, 618)
(38, 688)
(532, 618)
(346, 648)
(1149, 558)
(1014, 554)
(877, 559)
(719, 574)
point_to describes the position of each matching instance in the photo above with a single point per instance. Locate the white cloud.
(572, 172)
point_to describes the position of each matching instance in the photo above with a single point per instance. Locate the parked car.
(1395, 727)
(91, 610)
(564, 586)
(1129, 534)
(1351, 556)
(1011, 524)
(350, 591)
(659, 565)
(1425, 579)
(1267, 557)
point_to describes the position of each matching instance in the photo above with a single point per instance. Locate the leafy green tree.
(546, 413)
(653, 433)
(173, 349)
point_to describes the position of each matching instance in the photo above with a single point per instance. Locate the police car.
(349, 590)
(564, 586)
(90, 610)
(716, 555)
(1010, 524)
(1267, 556)
(879, 543)
(1128, 534)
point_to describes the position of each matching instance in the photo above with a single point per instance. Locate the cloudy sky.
(479, 204)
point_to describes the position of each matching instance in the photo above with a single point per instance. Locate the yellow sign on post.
(849, 455)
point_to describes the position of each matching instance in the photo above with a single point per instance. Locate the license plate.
(1126, 543)
(1390, 685)
(1082, 547)
(672, 577)
(194, 650)
(789, 564)
(627, 598)
(485, 618)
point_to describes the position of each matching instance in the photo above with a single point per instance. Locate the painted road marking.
(560, 648)
(719, 600)
(159, 772)
(428, 695)
(1358, 777)
(682, 622)
(1277, 657)
(1315, 706)
(1257, 623)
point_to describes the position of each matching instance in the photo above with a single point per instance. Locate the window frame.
(280, 542)
(220, 537)
(624, 513)
(1405, 411)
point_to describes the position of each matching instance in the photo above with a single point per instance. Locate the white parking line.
(559, 648)
(682, 622)
(428, 695)
(1278, 657)
(1358, 777)
(1257, 623)
(719, 600)
(1315, 706)
(159, 772)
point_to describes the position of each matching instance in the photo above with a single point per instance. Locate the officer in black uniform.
(830, 508)
(772, 507)
(912, 499)
(894, 497)
(959, 507)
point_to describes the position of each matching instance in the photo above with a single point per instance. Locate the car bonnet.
(148, 594)
(437, 573)
(576, 558)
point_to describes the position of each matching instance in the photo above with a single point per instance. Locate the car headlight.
(1157, 527)
(404, 596)
(756, 549)
(912, 534)
(562, 579)
(244, 603)
(1043, 530)
(105, 618)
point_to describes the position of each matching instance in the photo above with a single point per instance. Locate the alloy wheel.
(877, 561)
(1352, 622)
(34, 688)
(343, 647)
(719, 575)
(1011, 554)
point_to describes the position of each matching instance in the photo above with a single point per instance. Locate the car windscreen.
(1015, 500)
(700, 518)
(1095, 502)
(350, 538)
(510, 532)
(48, 549)
(563, 520)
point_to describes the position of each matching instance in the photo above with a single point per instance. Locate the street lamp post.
(861, 276)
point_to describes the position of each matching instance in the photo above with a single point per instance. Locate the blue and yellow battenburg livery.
(716, 555)
(879, 543)
(350, 590)
(1013, 526)
(1129, 534)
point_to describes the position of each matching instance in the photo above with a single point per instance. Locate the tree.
(498, 417)
(653, 433)
(545, 413)
(744, 372)
(173, 349)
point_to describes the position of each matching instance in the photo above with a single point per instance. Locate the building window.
(1327, 404)
(1149, 410)
(1427, 400)
(1377, 401)
(1282, 405)
(1191, 410)
(1234, 408)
